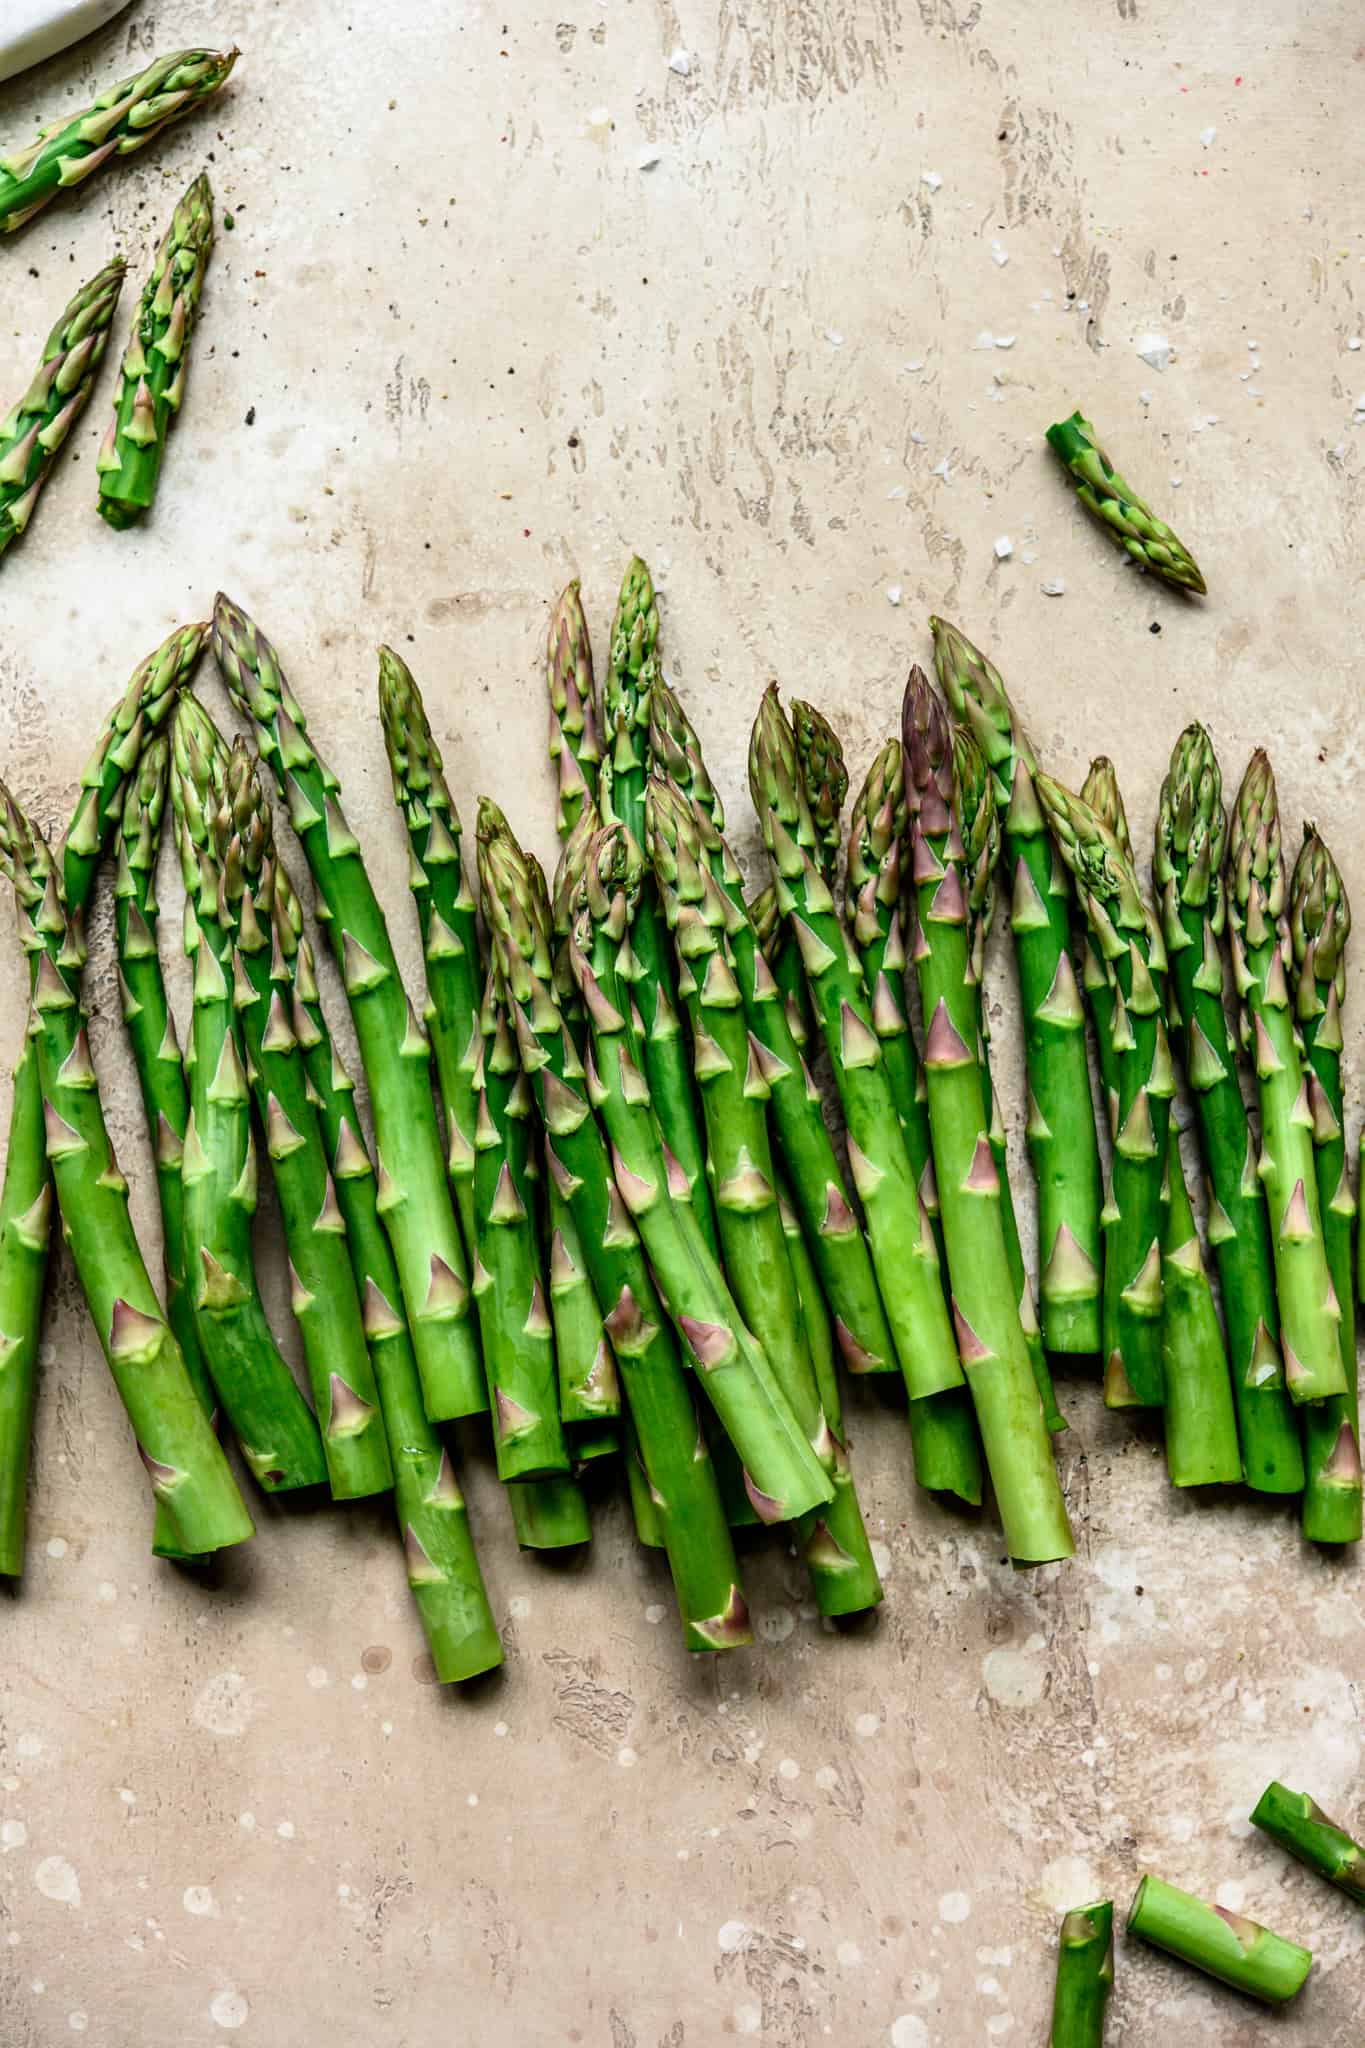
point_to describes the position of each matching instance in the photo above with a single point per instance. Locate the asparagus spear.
(1191, 837)
(1310, 1314)
(589, 1387)
(1319, 926)
(443, 1568)
(325, 1299)
(999, 1372)
(575, 715)
(1061, 1122)
(155, 361)
(414, 1196)
(902, 1241)
(1085, 1977)
(734, 1093)
(679, 1472)
(123, 119)
(184, 1459)
(980, 830)
(34, 431)
(632, 676)
(943, 1433)
(1234, 1950)
(817, 1324)
(1299, 1825)
(824, 780)
(1201, 1421)
(269, 1416)
(1105, 495)
(550, 1514)
(1128, 941)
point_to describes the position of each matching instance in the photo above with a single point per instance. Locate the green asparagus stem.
(680, 1476)
(550, 1514)
(1187, 867)
(589, 1387)
(155, 361)
(1061, 1136)
(817, 1323)
(1137, 1057)
(632, 676)
(269, 1416)
(414, 1196)
(443, 1568)
(991, 1339)
(832, 1541)
(1116, 505)
(25, 1228)
(123, 119)
(1237, 1952)
(980, 829)
(184, 1459)
(902, 1240)
(1201, 1421)
(1310, 1314)
(1085, 1977)
(326, 1301)
(33, 433)
(1319, 926)
(1299, 1825)
(575, 716)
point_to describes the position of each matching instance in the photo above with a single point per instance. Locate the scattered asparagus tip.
(1116, 505)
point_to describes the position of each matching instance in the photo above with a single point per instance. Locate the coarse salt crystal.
(1004, 341)
(1055, 588)
(1206, 136)
(918, 440)
(930, 178)
(680, 62)
(985, 339)
(1144, 398)
(893, 593)
(1004, 548)
(647, 159)
(999, 255)
(1354, 342)
(941, 469)
(1154, 350)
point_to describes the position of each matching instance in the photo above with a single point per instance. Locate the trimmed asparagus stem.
(575, 715)
(673, 1452)
(1116, 505)
(33, 432)
(832, 1540)
(124, 118)
(1061, 1135)
(1310, 1314)
(183, 1457)
(645, 1506)
(1188, 870)
(25, 1228)
(1236, 1951)
(1299, 1825)
(414, 1196)
(550, 1514)
(1201, 1421)
(817, 1324)
(443, 1567)
(1141, 1081)
(155, 361)
(268, 1414)
(1319, 924)
(901, 1238)
(991, 1337)
(589, 1387)
(1085, 1977)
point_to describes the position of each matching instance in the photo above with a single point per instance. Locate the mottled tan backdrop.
(508, 294)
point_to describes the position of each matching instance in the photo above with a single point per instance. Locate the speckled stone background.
(506, 297)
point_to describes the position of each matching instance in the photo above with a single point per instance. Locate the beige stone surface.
(463, 342)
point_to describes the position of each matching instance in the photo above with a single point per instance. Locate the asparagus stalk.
(1319, 926)
(414, 1196)
(1085, 1977)
(33, 432)
(443, 1568)
(1310, 1314)
(981, 839)
(550, 1514)
(25, 1229)
(326, 1302)
(155, 361)
(1131, 522)
(1061, 1123)
(1201, 1421)
(824, 780)
(999, 1371)
(817, 1324)
(1137, 1055)
(184, 1459)
(1236, 1951)
(632, 676)
(123, 119)
(1299, 1825)
(1191, 838)
(589, 1386)
(680, 1476)
(575, 715)
(832, 1541)
(901, 1238)
(271, 1420)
